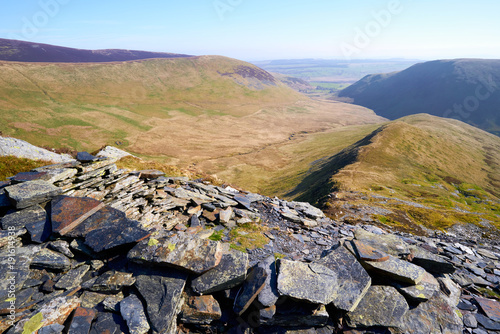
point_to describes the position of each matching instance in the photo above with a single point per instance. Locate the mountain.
(14, 50)
(463, 89)
(423, 169)
(218, 114)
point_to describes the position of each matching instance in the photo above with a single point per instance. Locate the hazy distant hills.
(13, 50)
(463, 89)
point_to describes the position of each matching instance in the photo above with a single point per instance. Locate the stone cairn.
(89, 248)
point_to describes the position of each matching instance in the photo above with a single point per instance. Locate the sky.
(264, 29)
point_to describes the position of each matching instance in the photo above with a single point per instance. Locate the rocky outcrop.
(23, 149)
(97, 249)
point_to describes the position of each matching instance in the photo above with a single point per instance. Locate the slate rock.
(243, 201)
(433, 316)
(194, 221)
(269, 295)
(81, 321)
(19, 219)
(291, 313)
(49, 259)
(451, 291)
(490, 307)
(112, 302)
(4, 199)
(54, 311)
(112, 282)
(396, 269)
(85, 157)
(312, 282)
(108, 323)
(253, 285)
(29, 193)
(470, 320)
(69, 212)
(430, 262)
(15, 271)
(487, 322)
(39, 231)
(163, 296)
(230, 272)
(368, 253)
(427, 288)
(180, 250)
(72, 278)
(92, 299)
(200, 310)
(62, 247)
(381, 306)
(150, 173)
(51, 329)
(132, 311)
(387, 243)
(352, 279)
(29, 176)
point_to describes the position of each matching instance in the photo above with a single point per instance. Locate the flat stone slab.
(311, 282)
(82, 320)
(253, 285)
(69, 212)
(150, 173)
(30, 193)
(433, 316)
(269, 295)
(180, 250)
(295, 313)
(132, 311)
(423, 291)
(72, 278)
(430, 262)
(200, 310)
(112, 282)
(387, 243)
(30, 176)
(368, 253)
(111, 323)
(19, 219)
(49, 259)
(163, 296)
(229, 273)
(381, 306)
(490, 307)
(243, 201)
(352, 279)
(85, 157)
(396, 269)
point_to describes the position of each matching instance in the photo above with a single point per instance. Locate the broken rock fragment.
(181, 250)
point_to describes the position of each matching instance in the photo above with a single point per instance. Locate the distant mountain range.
(463, 89)
(13, 50)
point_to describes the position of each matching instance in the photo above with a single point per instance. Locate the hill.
(214, 113)
(424, 169)
(14, 50)
(463, 89)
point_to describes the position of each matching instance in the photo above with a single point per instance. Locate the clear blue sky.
(263, 29)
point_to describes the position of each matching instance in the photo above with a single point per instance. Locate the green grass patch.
(248, 236)
(10, 166)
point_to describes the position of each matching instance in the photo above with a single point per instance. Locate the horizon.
(259, 31)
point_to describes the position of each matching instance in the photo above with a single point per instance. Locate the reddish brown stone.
(368, 253)
(490, 307)
(30, 176)
(150, 173)
(200, 310)
(82, 320)
(69, 212)
(211, 216)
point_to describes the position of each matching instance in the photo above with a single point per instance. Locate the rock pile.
(89, 248)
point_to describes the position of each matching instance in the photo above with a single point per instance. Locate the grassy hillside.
(450, 169)
(14, 50)
(463, 89)
(216, 114)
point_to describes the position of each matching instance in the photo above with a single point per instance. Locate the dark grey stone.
(85, 157)
(109, 323)
(352, 279)
(19, 219)
(269, 295)
(230, 272)
(470, 320)
(72, 278)
(487, 322)
(49, 259)
(243, 201)
(163, 296)
(381, 306)
(111, 282)
(51, 329)
(431, 262)
(132, 311)
(30, 193)
(253, 285)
